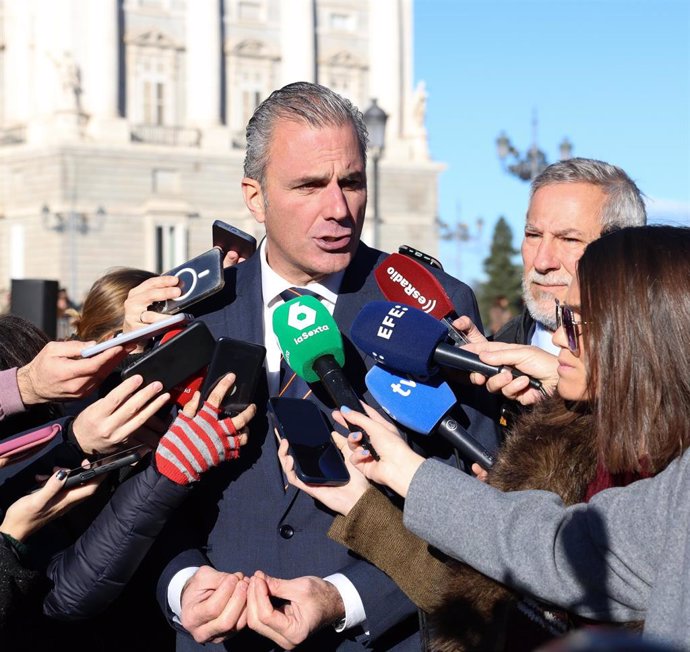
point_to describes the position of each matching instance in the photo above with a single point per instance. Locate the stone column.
(102, 71)
(386, 65)
(17, 62)
(297, 41)
(203, 72)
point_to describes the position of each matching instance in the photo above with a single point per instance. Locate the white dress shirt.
(542, 338)
(271, 287)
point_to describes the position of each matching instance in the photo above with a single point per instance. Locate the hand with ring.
(158, 288)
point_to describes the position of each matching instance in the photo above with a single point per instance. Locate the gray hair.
(623, 206)
(312, 104)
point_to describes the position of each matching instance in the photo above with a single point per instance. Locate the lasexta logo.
(301, 317)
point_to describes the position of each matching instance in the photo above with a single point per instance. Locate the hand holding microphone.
(396, 463)
(408, 340)
(531, 359)
(426, 408)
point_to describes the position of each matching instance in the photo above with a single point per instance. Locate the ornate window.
(154, 86)
(251, 75)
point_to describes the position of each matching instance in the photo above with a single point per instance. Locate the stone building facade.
(122, 123)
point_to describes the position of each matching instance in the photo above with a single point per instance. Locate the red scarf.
(605, 480)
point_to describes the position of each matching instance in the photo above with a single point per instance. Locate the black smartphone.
(243, 359)
(317, 460)
(82, 474)
(229, 238)
(406, 250)
(199, 277)
(176, 359)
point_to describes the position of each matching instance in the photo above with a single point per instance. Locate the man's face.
(562, 220)
(312, 201)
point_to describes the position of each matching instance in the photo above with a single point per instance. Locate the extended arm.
(374, 529)
(599, 560)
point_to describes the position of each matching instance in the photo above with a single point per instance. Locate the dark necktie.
(291, 385)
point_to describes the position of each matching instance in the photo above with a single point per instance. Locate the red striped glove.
(193, 446)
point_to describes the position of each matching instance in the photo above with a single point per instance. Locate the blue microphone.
(425, 407)
(410, 341)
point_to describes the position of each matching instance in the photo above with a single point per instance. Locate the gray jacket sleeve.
(600, 559)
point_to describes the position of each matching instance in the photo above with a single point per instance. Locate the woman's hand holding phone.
(30, 513)
(398, 461)
(340, 498)
(110, 423)
(158, 288)
(182, 455)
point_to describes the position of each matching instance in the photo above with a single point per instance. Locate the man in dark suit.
(305, 180)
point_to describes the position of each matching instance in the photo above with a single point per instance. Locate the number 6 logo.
(301, 317)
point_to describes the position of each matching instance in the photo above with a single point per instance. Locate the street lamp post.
(533, 162)
(72, 223)
(375, 118)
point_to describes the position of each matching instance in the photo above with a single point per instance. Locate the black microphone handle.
(450, 356)
(339, 389)
(466, 444)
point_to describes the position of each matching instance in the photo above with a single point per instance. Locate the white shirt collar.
(272, 284)
(542, 338)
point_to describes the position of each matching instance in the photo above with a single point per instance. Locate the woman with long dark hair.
(620, 415)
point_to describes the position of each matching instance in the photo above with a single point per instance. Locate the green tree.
(504, 277)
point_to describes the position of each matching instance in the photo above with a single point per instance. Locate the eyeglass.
(565, 317)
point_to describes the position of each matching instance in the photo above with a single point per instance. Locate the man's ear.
(254, 198)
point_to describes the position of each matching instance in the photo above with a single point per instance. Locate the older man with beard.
(571, 203)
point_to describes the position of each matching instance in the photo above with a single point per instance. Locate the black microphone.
(408, 340)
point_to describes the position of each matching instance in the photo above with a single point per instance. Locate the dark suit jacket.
(244, 519)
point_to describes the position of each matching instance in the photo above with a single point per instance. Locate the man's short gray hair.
(623, 206)
(312, 104)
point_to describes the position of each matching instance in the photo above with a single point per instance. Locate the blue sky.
(611, 75)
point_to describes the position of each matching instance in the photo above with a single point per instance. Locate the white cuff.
(175, 590)
(354, 609)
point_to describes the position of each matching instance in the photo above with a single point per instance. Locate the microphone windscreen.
(413, 404)
(306, 331)
(407, 281)
(398, 336)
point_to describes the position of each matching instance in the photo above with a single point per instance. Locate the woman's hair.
(103, 310)
(635, 298)
(20, 343)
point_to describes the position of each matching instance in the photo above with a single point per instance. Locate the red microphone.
(404, 280)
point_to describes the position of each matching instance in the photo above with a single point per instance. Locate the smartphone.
(107, 464)
(16, 447)
(317, 460)
(243, 359)
(145, 333)
(199, 277)
(175, 360)
(406, 250)
(229, 238)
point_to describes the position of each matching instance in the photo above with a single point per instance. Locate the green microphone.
(313, 348)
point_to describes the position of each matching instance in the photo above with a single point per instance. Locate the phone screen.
(317, 460)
